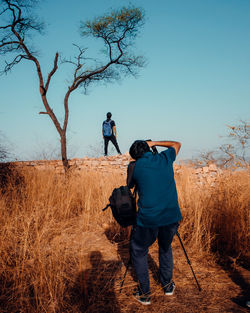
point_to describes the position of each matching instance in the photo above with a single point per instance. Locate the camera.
(154, 150)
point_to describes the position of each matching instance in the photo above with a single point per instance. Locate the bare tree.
(117, 31)
(234, 153)
(6, 153)
(3, 152)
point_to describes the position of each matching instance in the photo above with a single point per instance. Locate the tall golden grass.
(43, 212)
(216, 216)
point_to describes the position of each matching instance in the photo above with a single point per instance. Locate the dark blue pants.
(141, 239)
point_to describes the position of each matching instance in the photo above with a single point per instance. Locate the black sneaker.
(142, 298)
(169, 289)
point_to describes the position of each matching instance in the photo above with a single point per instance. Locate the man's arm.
(114, 129)
(175, 144)
(102, 131)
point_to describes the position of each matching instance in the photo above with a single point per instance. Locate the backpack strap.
(130, 182)
(135, 193)
(130, 172)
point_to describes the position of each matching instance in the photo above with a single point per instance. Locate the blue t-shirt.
(154, 177)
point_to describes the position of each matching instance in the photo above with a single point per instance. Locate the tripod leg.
(199, 288)
(129, 261)
(128, 264)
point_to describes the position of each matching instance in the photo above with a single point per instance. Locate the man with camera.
(158, 211)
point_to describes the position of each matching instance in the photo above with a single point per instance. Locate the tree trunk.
(64, 152)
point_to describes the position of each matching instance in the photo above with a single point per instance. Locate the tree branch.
(9, 43)
(5, 27)
(9, 66)
(52, 72)
(5, 10)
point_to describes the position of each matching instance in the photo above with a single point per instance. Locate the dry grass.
(55, 256)
(216, 217)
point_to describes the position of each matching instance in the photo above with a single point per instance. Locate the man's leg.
(141, 239)
(165, 237)
(106, 141)
(114, 142)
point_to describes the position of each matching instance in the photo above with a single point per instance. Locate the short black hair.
(138, 148)
(109, 115)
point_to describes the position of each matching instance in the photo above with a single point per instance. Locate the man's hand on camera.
(165, 143)
(150, 143)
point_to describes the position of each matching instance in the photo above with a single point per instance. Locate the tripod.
(178, 235)
(130, 263)
(127, 266)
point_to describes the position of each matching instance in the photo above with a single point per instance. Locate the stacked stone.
(207, 174)
(111, 163)
(118, 163)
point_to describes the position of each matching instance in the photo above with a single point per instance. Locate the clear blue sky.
(197, 78)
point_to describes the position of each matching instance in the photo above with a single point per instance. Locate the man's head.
(138, 148)
(109, 115)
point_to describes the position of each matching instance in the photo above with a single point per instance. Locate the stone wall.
(119, 164)
(111, 163)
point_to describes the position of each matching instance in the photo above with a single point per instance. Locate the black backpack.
(123, 206)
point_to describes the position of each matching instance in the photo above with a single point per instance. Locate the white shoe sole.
(170, 293)
(142, 302)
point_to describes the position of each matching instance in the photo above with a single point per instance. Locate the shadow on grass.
(236, 275)
(94, 288)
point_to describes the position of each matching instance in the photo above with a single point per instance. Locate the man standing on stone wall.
(109, 134)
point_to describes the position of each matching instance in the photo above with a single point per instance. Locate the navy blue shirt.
(154, 177)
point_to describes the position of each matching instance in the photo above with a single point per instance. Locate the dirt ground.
(223, 289)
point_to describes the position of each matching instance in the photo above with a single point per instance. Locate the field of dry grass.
(60, 253)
